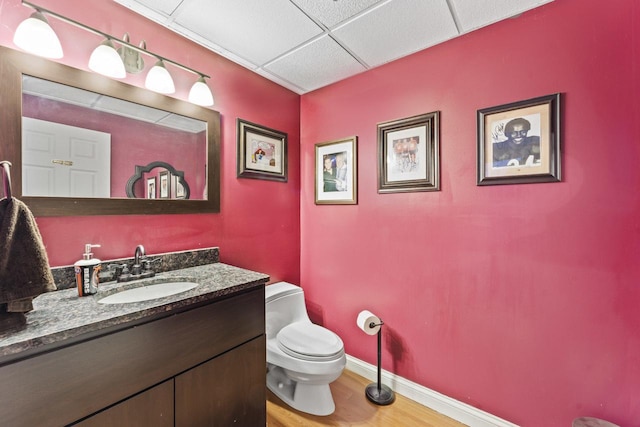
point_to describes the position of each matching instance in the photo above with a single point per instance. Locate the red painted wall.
(521, 300)
(258, 226)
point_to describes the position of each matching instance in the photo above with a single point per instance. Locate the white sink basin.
(146, 293)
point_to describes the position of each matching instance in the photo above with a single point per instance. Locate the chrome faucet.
(137, 254)
(140, 269)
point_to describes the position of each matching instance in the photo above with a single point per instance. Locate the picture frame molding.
(335, 147)
(151, 189)
(552, 139)
(164, 193)
(243, 128)
(177, 188)
(430, 122)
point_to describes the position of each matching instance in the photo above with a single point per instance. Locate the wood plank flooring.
(353, 409)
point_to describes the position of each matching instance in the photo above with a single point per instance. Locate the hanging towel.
(24, 266)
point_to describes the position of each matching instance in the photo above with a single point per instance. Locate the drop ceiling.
(304, 45)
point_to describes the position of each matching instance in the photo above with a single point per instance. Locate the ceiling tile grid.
(474, 14)
(256, 30)
(315, 65)
(306, 44)
(397, 28)
(330, 13)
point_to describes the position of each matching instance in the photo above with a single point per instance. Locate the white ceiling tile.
(330, 12)
(473, 14)
(157, 10)
(306, 44)
(164, 6)
(254, 29)
(316, 64)
(396, 29)
(277, 79)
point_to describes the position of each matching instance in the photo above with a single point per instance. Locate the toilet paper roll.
(365, 321)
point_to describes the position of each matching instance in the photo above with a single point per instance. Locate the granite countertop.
(63, 316)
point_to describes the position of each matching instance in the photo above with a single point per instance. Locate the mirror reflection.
(77, 143)
(158, 180)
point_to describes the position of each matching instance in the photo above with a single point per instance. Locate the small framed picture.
(336, 181)
(151, 188)
(408, 154)
(178, 188)
(519, 143)
(165, 185)
(262, 152)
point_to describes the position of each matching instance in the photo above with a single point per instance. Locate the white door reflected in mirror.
(64, 161)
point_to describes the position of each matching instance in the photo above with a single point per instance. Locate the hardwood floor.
(353, 409)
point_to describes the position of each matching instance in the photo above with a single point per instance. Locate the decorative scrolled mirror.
(115, 131)
(158, 180)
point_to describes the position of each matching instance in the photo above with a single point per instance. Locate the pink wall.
(521, 300)
(258, 226)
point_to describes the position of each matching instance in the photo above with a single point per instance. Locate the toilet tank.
(284, 304)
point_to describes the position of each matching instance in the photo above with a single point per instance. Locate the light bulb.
(200, 94)
(105, 60)
(159, 79)
(36, 36)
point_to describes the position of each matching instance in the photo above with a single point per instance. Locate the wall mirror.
(119, 149)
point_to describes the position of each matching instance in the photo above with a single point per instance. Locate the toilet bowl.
(302, 358)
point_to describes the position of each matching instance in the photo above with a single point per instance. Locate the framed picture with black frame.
(262, 152)
(165, 184)
(519, 143)
(408, 154)
(151, 187)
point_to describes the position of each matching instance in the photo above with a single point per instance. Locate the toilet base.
(314, 399)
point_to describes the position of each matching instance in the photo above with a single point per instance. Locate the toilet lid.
(310, 342)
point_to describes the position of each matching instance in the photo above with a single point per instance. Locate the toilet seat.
(307, 341)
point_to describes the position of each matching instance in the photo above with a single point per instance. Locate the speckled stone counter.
(62, 317)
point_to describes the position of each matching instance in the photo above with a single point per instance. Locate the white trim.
(459, 411)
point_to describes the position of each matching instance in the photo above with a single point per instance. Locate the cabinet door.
(152, 408)
(228, 390)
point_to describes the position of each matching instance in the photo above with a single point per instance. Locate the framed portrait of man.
(520, 142)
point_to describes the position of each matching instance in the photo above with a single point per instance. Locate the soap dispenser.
(87, 270)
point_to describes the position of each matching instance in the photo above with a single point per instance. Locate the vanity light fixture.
(105, 60)
(132, 59)
(200, 94)
(36, 36)
(159, 80)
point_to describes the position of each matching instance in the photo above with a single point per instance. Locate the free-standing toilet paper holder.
(379, 393)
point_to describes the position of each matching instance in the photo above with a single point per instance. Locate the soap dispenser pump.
(87, 270)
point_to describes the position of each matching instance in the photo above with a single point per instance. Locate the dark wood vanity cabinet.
(153, 407)
(224, 391)
(200, 367)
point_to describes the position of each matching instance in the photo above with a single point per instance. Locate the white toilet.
(302, 358)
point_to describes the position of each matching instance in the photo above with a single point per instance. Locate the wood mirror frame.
(13, 64)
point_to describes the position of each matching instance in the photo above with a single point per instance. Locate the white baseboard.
(459, 411)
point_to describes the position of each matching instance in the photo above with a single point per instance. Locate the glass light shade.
(105, 60)
(35, 35)
(200, 94)
(159, 79)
